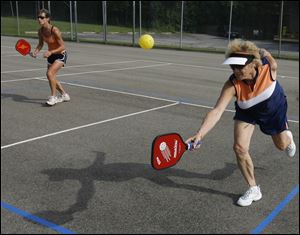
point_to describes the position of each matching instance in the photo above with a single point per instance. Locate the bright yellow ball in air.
(146, 41)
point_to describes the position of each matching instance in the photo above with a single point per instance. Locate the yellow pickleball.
(146, 41)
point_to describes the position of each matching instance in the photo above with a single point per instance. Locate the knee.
(50, 74)
(240, 150)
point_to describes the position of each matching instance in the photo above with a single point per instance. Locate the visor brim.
(236, 61)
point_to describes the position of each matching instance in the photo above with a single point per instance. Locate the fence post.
(230, 18)
(71, 20)
(49, 8)
(133, 23)
(181, 24)
(104, 20)
(12, 9)
(75, 15)
(18, 21)
(280, 29)
(140, 17)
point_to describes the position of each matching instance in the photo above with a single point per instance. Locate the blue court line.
(36, 219)
(276, 211)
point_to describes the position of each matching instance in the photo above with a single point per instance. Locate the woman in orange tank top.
(56, 55)
(260, 100)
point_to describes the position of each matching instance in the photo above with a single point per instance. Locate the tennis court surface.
(84, 166)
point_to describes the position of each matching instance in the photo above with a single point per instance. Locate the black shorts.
(60, 57)
(272, 124)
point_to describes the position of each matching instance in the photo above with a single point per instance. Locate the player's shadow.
(23, 99)
(119, 172)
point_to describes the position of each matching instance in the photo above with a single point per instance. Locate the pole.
(71, 21)
(181, 24)
(12, 9)
(140, 17)
(104, 20)
(133, 22)
(18, 21)
(75, 15)
(49, 8)
(280, 29)
(230, 19)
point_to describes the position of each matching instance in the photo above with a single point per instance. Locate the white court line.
(87, 125)
(212, 68)
(156, 61)
(22, 79)
(89, 72)
(7, 47)
(146, 96)
(229, 70)
(72, 66)
(8, 53)
(126, 93)
(2, 56)
(114, 91)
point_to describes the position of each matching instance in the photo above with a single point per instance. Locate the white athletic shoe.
(291, 149)
(64, 97)
(252, 194)
(52, 100)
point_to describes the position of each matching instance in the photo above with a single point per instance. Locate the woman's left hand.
(47, 54)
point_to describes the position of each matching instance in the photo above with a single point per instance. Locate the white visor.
(236, 60)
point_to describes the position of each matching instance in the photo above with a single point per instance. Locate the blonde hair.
(244, 47)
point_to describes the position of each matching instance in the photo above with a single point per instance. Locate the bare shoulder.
(56, 30)
(227, 93)
(228, 86)
(228, 90)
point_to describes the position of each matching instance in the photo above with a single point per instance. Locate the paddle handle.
(190, 145)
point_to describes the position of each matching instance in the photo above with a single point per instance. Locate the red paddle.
(167, 150)
(23, 47)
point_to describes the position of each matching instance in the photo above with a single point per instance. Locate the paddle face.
(23, 47)
(167, 150)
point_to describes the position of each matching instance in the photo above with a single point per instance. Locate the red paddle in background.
(23, 47)
(167, 150)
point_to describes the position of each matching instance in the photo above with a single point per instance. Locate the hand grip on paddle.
(167, 150)
(32, 54)
(190, 145)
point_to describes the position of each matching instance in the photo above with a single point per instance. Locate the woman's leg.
(51, 75)
(284, 141)
(242, 136)
(281, 140)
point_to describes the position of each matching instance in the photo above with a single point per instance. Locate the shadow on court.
(119, 172)
(24, 99)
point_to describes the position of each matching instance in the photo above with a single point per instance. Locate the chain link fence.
(191, 25)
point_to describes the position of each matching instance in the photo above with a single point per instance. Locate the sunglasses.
(41, 17)
(239, 67)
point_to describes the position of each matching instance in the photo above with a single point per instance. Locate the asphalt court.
(85, 165)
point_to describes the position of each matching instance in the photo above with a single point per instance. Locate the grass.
(9, 26)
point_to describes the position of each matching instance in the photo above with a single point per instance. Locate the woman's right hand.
(33, 54)
(195, 139)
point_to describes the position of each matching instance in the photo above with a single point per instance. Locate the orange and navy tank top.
(264, 98)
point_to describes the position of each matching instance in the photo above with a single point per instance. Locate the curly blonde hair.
(244, 47)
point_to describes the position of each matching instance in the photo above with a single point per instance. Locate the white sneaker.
(291, 149)
(52, 100)
(252, 194)
(64, 97)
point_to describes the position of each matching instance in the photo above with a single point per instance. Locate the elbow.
(216, 114)
(273, 64)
